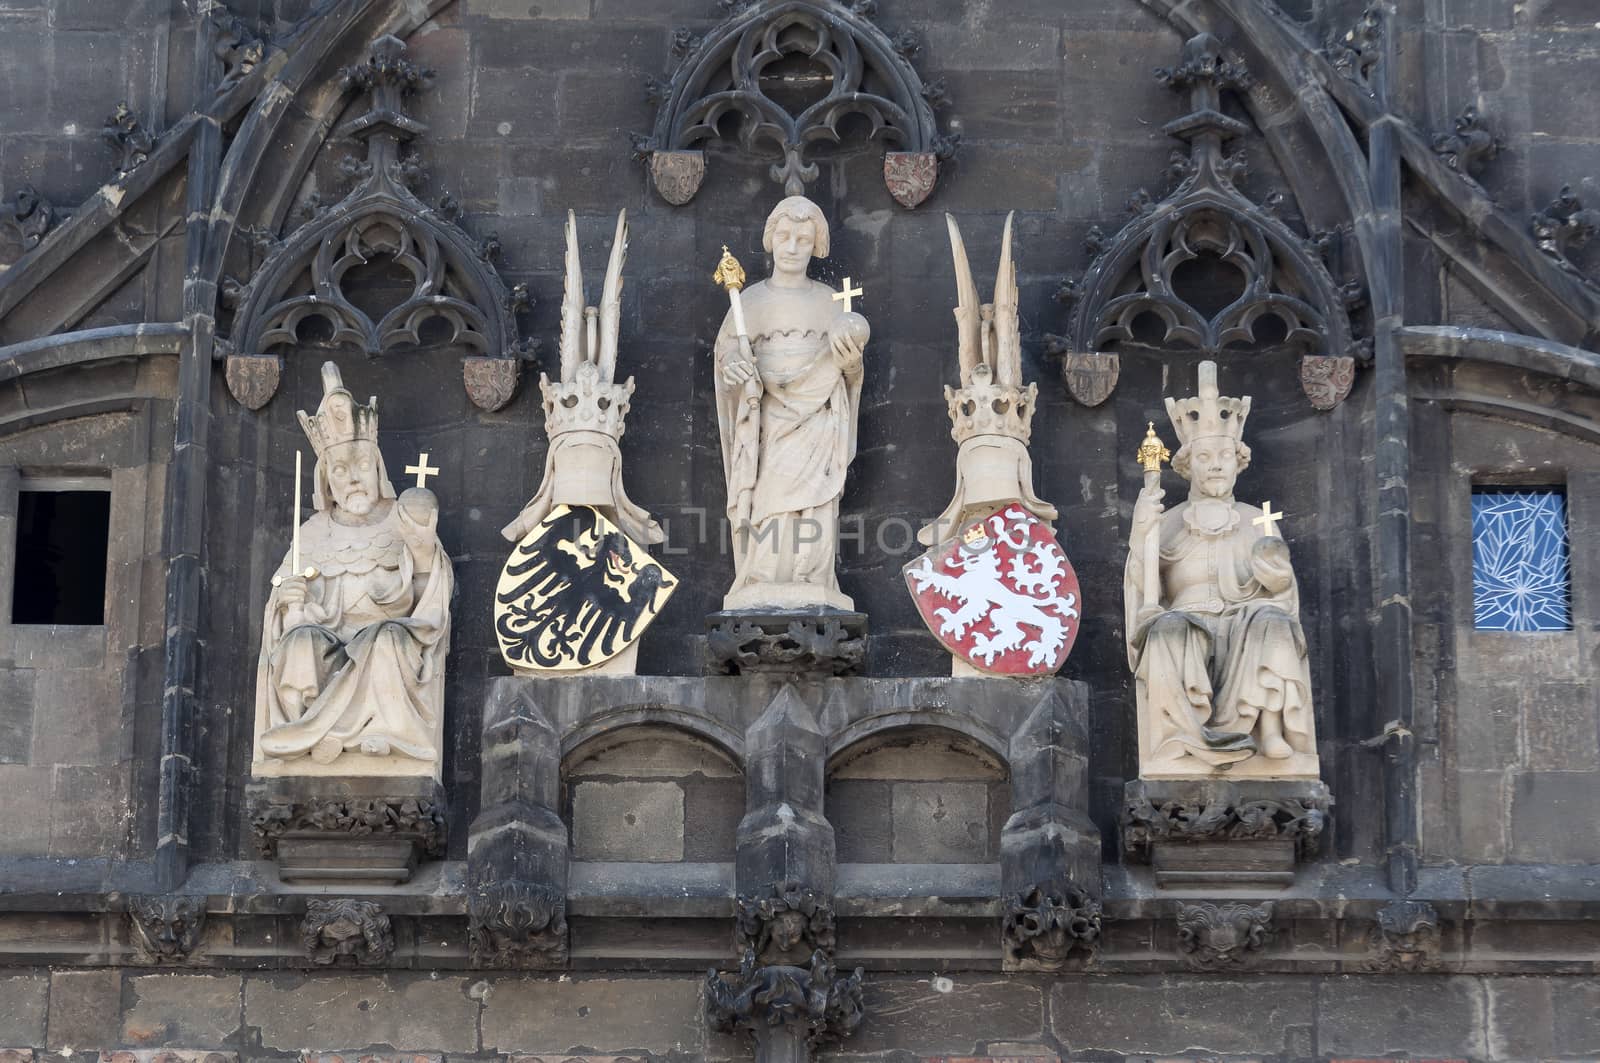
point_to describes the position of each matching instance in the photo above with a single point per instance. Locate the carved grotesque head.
(345, 931)
(795, 232)
(1220, 936)
(167, 929)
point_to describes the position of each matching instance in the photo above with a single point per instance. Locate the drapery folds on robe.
(365, 652)
(786, 453)
(1228, 647)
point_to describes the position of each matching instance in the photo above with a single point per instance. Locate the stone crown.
(585, 404)
(984, 408)
(340, 418)
(1209, 413)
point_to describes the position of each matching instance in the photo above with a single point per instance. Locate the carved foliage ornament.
(1145, 822)
(1220, 937)
(814, 1002)
(1044, 928)
(346, 932)
(751, 66)
(165, 929)
(1563, 227)
(790, 921)
(823, 645)
(357, 817)
(517, 924)
(1144, 287)
(452, 294)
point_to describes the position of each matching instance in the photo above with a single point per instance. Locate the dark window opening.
(61, 557)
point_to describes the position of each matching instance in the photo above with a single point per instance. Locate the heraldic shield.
(1001, 595)
(575, 592)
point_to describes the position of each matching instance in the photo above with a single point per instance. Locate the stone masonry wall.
(286, 1017)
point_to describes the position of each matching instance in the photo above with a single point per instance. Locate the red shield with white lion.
(1001, 596)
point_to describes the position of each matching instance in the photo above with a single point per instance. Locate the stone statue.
(351, 675)
(1213, 614)
(584, 411)
(788, 394)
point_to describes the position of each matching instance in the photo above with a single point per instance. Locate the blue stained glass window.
(1521, 568)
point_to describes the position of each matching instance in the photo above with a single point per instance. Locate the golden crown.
(585, 404)
(1209, 413)
(339, 419)
(984, 408)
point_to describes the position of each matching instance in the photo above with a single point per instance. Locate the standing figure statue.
(351, 674)
(1214, 636)
(788, 394)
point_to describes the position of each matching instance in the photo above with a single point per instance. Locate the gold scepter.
(729, 275)
(1152, 452)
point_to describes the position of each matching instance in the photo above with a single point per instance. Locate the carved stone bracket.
(347, 933)
(297, 297)
(344, 839)
(1405, 939)
(789, 922)
(165, 928)
(826, 643)
(750, 66)
(1220, 832)
(1563, 227)
(517, 924)
(1222, 937)
(788, 1010)
(1137, 292)
(1044, 928)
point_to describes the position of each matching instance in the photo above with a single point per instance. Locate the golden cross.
(422, 470)
(845, 294)
(1268, 519)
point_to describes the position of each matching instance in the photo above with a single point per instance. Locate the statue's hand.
(1147, 509)
(846, 351)
(1269, 563)
(735, 371)
(294, 590)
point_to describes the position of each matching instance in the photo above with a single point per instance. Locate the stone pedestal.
(360, 831)
(805, 643)
(1223, 832)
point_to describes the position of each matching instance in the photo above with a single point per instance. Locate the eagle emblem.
(1002, 595)
(575, 592)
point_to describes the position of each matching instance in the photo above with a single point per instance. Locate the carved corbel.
(517, 924)
(1044, 928)
(165, 928)
(347, 933)
(789, 1011)
(1405, 939)
(788, 922)
(1222, 937)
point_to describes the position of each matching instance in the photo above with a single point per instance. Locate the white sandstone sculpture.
(351, 675)
(1213, 613)
(585, 411)
(991, 414)
(788, 388)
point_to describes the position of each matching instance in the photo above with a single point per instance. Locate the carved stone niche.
(1207, 268)
(757, 63)
(819, 643)
(326, 831)
(1209, 832)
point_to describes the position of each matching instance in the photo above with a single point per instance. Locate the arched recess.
(748, 65)
(917, 793)
(1499, 374)
(446, 292)
(651, 792)
(1208, 269)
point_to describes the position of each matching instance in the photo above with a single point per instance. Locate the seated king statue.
(1214, 637)
(351, 674)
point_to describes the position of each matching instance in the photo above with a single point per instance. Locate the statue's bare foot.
(377, 747)
(327, 750)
